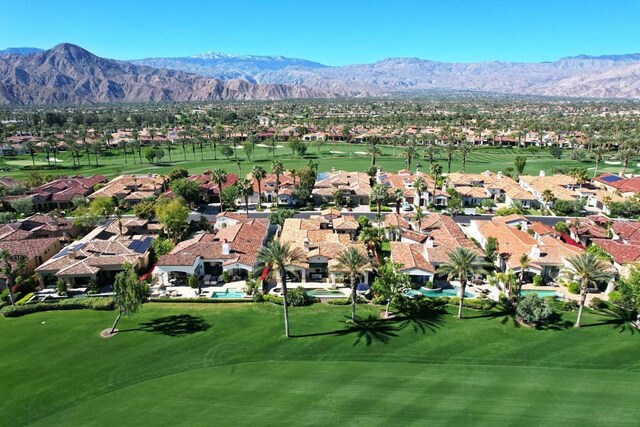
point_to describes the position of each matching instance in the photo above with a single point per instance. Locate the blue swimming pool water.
(542, 293)
(229, 294)
(433, 293)
(325, 293)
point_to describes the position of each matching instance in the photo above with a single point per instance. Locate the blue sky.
(333, 32)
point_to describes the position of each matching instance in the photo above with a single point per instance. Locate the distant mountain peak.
(20, 51)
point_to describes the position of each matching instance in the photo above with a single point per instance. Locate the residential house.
(547, 253)
(355, 187)
(272, 192)
(405, 180)
(563, 187)
(229, 219)
(321, 244)
(209, 189)
(475, 188)
(233, 249)
(132, 189)
(98, 257)
(624, 255)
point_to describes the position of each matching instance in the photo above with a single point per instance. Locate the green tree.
(173, 214)
(128, 294)
(8, 271)
(520, 162)
(533, 309)
(23, 206)
(491, 250)
(374, 152)
(277, 168)
(219, 177)
(227, 151)
(187, 189)
(229, 196)
(245, 190)
(278, 216)
(390, 282)
(258, 173)
(352, 261)
(247, 147)
(588, 269)
(150, 154)
(379, 196)
(461, 263)
(280, 259)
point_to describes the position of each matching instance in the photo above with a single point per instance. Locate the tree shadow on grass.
(367, 330)
(619, 318)
(175, 325)
(419, 317)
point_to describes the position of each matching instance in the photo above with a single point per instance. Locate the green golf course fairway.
(212, 364)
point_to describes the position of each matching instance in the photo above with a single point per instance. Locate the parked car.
(406, 207)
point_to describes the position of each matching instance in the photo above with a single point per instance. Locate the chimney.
(542, 173)
(305, 245)
(535, 252)
(333, 169)
(428, 243)
(499, 174)
(71, 254)
(226, 248)
(378, 171)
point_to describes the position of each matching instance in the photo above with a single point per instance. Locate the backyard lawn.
(344, 157)
(230, 365)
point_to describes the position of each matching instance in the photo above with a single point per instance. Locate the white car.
(406, 207)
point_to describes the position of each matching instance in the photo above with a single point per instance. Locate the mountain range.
(70, 74)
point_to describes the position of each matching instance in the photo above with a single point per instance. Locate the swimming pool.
(541, 293)
(325, 293)
(432, 293)
(229, 294)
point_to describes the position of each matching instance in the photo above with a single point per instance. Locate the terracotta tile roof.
(394, 219)
(411, 256)
(352, 182)
(622, 253)
(589, 228)
(414, 236)
(629, 231)
(30, 248)
(542, 229)
(346, 222)
(124, 185)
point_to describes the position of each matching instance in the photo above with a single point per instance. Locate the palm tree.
(524, 262)
(31, 149)
(372, 238)
(123, 145)
(397, 194)
(598, 153)
(465, 149)
(280, 257)
(547, 197)
(7, 271)
(277, 169)
(420, 185)
(219, 176)
(626, 155)
(462, 263)
(419, 216)
(259, 174)
(436, 170)
(409, 152)
(450, 148)
(374, 152)
(352, 261)
(589, 269)
(379, 195)
(245, 190)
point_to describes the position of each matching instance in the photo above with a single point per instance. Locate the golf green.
(230, 365)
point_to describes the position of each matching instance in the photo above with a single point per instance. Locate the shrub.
(225, 276)
(377, 300)
(341, 301)
(93, 287)
(615, 297)
(574, 287)
(200, 300)
(272, 299)
(598, 304)
(24, 299)
(537, 280)
(61, 287)
(562, 227)
(89, 303)
(258, 297)
(473, 303)
(532, 309)
(193, 281)
(298, 297)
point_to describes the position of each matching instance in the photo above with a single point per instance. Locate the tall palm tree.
(419, 216)
(588, 269)
(374, 152)
(420, 186)
(524, 262)
(277, 168)
(372, 238)
(379, 195)
(259, 174)
(245, 190)
(409, 152)
(352, 261)
(450, 148)
(465, 149)
(397, 194)
(7, 270)
(31, 149)
(547, 197)
(462, 263)
(435, 170)
(219, 176)
(280, 258)
(598, 153)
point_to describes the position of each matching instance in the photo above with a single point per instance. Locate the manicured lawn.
(230, 365)
(112, 163)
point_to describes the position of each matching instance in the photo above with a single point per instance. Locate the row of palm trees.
(462, 263)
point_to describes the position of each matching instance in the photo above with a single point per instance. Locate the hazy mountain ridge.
(68, 74)
(20, 51)
(578, 76)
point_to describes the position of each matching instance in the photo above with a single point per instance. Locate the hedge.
(24, 299)
(89, 303)
(201, 300)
